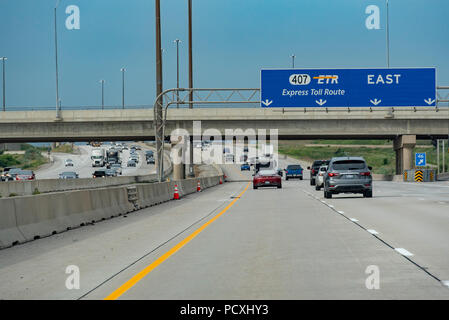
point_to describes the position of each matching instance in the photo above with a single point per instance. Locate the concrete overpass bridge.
(292, 123)
(402, 125)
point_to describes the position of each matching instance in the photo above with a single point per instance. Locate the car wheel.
(317, 188)
(254, 187)
(286, 178)
(280, 186)
(300, 178)
(368, 194)
(327, 195)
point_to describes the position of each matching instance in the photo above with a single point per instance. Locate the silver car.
(117, 167)
(348, 175)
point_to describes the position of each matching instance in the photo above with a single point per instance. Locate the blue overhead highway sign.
(348, 87)
(420, 159)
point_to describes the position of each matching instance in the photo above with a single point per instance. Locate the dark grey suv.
(348, 175)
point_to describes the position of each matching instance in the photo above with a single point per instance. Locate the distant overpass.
(292, 123)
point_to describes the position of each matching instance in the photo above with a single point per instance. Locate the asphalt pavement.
(233, 242)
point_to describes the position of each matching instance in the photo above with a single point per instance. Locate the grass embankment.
(64, 148)
(383, 160)
(31, 159)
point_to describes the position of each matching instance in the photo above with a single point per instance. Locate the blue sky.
(232, 41)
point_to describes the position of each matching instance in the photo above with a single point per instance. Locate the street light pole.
(191, 173)
(388, 37)
(123, 87)
(56, 63)
(158, 107)
(293, 60)
(4, 83)
(102, 94)
(190, 54)
(177, 41)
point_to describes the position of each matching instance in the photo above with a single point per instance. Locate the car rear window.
(349, 165)
(294, 167)
(267, 173)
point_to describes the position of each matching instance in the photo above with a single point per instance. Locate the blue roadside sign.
(411, 87)
(420, 159)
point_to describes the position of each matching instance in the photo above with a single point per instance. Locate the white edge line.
(372, 231)
(354, 220)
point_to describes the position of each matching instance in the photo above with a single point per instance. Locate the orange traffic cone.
(176, 196)
(198, 187)
(221, 181)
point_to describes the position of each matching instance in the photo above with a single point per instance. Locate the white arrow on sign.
(429, 101)
(375, 101)
(267, 102)
(321, 102)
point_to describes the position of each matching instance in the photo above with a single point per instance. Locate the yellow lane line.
(139, 276)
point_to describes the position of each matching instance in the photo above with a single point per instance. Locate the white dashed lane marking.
(372, 231)
(404, 252)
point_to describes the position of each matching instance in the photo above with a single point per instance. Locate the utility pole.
(177, 41)
(4, 83)
(190, 54)
(56, 64)
(159, 130)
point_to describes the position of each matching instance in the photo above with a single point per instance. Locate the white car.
(319, 180)
(69, 163)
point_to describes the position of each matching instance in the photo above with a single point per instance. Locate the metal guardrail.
(442, 97)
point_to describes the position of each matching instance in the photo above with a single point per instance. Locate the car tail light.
(313, 171)
(331, 186)
(286, 171)
(367, 184)
(333, 174)
(365, 173)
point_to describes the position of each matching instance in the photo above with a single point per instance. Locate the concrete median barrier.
(9, 233)
(152, 194)
(26, 218)
(41, 215)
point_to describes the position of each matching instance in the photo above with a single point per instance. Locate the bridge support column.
(178, 159)
(403, 145)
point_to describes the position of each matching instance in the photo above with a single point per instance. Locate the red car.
(267, 178)
(25, 175)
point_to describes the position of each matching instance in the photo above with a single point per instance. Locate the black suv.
(99, 173)
(315, 168)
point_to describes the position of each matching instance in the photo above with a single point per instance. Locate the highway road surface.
(83, 164)
(233, 242)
